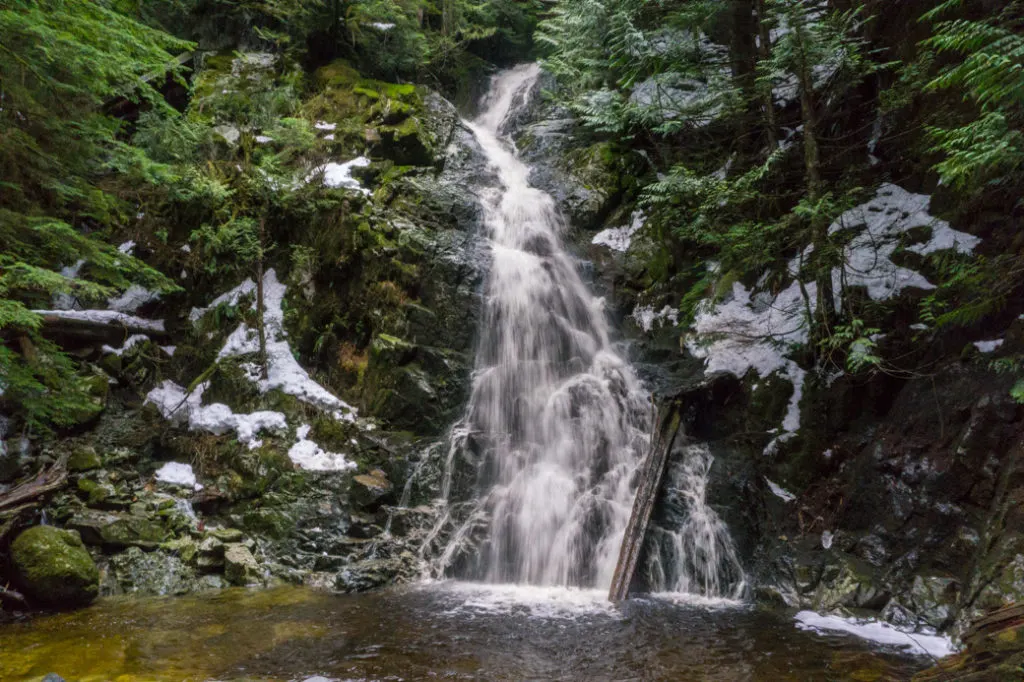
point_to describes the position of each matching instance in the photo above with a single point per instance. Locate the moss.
(54, 567)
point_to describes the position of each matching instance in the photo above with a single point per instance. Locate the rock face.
(54, 567)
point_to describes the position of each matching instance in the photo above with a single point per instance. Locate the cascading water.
(557, 418)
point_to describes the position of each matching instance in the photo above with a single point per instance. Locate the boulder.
(54, 567)
(240, 566)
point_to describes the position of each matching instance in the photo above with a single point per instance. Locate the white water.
(557, 421)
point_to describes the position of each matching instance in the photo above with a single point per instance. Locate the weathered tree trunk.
(261, 330)
(666, 426)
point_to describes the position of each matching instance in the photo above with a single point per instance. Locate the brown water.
(445, 631)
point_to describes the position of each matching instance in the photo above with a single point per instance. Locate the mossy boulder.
(84, 458)
(54, 567)
(118, 531)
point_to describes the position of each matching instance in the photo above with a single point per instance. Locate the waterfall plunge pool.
(445, 630)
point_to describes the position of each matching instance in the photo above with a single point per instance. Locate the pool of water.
(442, 631)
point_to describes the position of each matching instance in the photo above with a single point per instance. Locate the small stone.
(84, 458)
(240, 566)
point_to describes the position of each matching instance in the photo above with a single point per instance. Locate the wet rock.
(240, 566)
(848, 582)
(53, 677)
(933, 598)
(373, 573)
(369, 490)
(210, 555)
(149, 573)
(54, 567)
(113, 530)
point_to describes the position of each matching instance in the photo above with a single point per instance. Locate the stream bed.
(445, 631)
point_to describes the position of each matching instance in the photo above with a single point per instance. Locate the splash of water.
(693, 553)
(557, 421)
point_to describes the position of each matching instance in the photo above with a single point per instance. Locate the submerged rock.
(54, 567)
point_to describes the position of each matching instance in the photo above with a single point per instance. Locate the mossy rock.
(54, 567)
(118, 530)
(84, 458)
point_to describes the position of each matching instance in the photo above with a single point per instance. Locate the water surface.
(444, 631)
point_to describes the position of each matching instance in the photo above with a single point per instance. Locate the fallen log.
(666, 427)
(45, 482)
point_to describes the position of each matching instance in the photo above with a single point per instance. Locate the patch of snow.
(177, 473)
(308, 455)
(106, 317)
(826, 539)
(230, 298)
(340, 174)
(132, 340)
(181, 408)
(263, 139)
(329, 137)
(324, 125)
(381, 25)
(127, 247)
(284, 373)
(186, 248)
(988, 346)
(880, 225)
(647, 317)
(754, 333)
(779, 491)
(133, 298)
(936, 646)
(827, 454)
(169, 350)
(619, 238)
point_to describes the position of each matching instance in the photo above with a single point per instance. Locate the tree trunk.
(764, 50)
(261, 330)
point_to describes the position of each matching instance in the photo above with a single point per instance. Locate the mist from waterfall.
(557, 421)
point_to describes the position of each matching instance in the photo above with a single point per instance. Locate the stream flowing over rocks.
(451, 393)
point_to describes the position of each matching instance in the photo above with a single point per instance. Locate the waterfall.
(557, 421)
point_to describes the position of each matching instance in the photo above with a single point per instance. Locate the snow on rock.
(754, 333)
(106, 317)
(177, 473)
(936, 646)
(647, 317)
(340, 174)
(308, 455)
(619, 238)
(132, 340)
(181, 408)
(127, 247)
(779, 491)
(284, 373)
(133, 298)
(988, 346)
(881, 224)
(230, 298)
